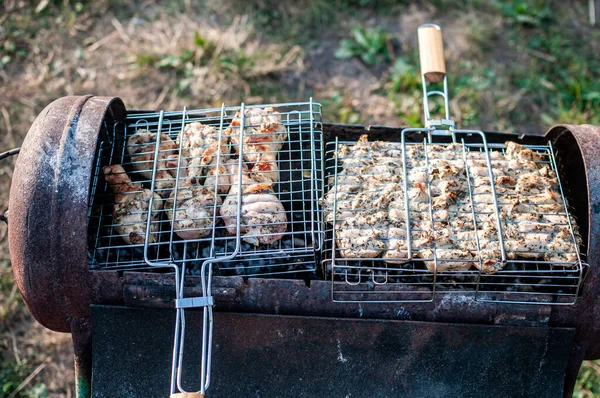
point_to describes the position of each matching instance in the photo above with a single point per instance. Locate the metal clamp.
(194, 302)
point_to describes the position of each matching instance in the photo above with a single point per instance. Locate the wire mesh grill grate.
(462, 240)
(195, 159)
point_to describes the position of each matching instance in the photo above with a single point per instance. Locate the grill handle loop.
(433, 70)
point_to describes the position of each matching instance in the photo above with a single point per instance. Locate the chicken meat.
(194, 208)
(451, 206)
(263, 137)
(206, 151)
(141, 148)
(263, 218)
(130, 210)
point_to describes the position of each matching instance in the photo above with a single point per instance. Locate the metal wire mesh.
(191, 173)
(478, 225)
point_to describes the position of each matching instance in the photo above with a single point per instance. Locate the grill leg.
(81, 332)
(575, 360)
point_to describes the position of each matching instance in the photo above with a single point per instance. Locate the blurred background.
(520, 65)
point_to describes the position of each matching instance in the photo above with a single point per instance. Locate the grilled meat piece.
(263, 137)
(194, 210)
(206, 151)
(171, 163)
(517, 151)
(357, 239)
(141, 147)
(130, 211)
(447, 259)
(263, 219)
(192, 207)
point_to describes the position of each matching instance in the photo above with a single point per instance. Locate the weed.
(561, 77)
(404, 89)
(405, 77)
(205, 53)
(527, 12)
(303, 21)
(588, 382)
(339, 106)
(11, 376)
(370, 45)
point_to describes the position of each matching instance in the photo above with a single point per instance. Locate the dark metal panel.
(285, 356)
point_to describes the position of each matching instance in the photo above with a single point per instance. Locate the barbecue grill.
(293, 315)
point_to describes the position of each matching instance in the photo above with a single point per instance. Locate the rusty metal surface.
(282, 356)
(81, 331)
(294, 297)
(48, 211)
(580, 145)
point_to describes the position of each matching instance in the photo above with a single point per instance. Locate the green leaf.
(591, 95)
(10, 46)
(360, 38)
(401, 66)
(198, 40)
(169, 61)
(187, 55)
(369, 58)
(346, 50)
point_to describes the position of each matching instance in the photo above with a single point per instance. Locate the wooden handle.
(187, 395)
(431, 53)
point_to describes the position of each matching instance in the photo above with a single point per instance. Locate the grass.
(588, 382)
(515, 65)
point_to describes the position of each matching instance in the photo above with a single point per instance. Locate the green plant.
(588, 381)
(339, 107)
(404, 89)
(527, 12)
(560, 77)
(303, 21)
(230, 62)
(404, 75)
(370, 45)
(13, 374)
(236, 62)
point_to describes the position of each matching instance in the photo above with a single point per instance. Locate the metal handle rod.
(405, 185)
(431, 219)
(14, 151)
(177, 175)
(206, 280)
(333, 243)
(473, 214)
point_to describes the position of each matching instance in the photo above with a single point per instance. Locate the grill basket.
(298, 187)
